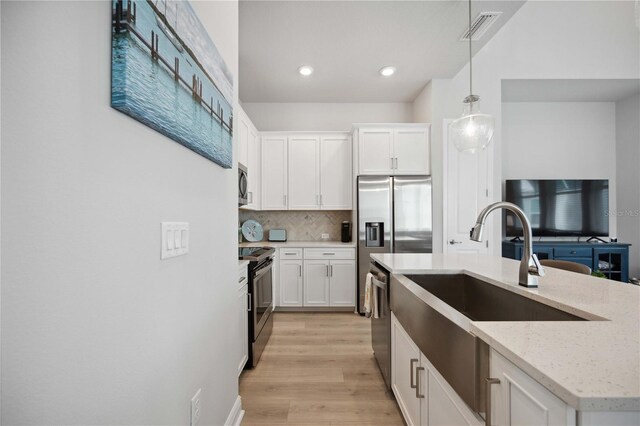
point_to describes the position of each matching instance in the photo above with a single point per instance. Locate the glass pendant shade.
(473, 131)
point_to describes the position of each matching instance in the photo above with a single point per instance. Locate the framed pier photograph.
(167, 73)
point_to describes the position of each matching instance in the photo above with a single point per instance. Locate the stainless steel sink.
(441, 328)
(481, 301)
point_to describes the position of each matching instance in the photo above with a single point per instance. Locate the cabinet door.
(520, 400)
(243, 138)
(243, 319)
(336, 178)
(304, 173)
(343, 282)
(375, 150)
(274, 172)
(405, 359)
(316, 283)
(411, 151)
(253, 171)
(442, 406)
(290, 282)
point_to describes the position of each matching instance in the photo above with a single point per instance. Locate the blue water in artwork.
(147, 90)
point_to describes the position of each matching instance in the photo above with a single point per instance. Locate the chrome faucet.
(530, 267)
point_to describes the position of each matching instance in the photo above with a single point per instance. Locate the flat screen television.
(560, 208)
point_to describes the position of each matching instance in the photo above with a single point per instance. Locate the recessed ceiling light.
(305, 70)
(387, 71)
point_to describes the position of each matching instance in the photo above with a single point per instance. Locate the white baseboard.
(236, 414)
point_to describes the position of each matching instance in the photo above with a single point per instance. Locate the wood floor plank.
(371, 412)
(318, 368)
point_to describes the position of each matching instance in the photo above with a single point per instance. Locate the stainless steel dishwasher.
(381, 326)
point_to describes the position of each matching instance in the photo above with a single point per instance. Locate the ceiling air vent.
(480, 25)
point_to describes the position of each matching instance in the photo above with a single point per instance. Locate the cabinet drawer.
(572, 252)
(242, 276)
(330, 253)
(290, 253)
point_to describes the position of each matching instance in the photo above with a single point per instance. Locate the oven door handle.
(262, 271)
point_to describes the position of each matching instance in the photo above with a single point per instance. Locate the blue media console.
(612, 259)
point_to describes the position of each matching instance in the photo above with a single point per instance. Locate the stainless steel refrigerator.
(394, 216)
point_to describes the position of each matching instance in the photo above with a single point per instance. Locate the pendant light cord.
(470, 55)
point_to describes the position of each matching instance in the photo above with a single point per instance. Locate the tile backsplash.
(300, 225)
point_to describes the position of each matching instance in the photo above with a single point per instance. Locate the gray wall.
(628, 181)
(96, 329)
(324, 116)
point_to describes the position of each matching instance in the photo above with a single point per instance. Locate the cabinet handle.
(249, 295)
(327, 267)
(396, 167)
(299, 270)
(331, 270)
(418, 394)
(573, 252)
(411, 370)
(487, 408)
(328, 254)
(290, 253)
(242, 279)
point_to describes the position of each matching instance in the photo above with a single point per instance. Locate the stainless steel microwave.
(242, 185)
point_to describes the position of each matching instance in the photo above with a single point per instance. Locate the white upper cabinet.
(274, 172)
(375, 151)
(304, 172)
(394, 150)
(336, 172)
(249, 156)
(411, 151)
(243, 139)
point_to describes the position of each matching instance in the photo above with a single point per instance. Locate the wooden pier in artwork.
(124, 21)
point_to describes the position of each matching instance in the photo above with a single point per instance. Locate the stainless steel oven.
(243, 194)
(260, 299)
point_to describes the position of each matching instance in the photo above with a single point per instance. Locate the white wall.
(561, 140)
(96, 329)
(628, 169)
(324, 116)
(422, 106)
(580, 40)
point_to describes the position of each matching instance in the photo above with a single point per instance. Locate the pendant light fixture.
(473, 130)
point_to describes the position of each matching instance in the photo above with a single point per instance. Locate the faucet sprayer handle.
(536, 268)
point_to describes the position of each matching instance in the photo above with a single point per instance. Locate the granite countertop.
(310, 244)
(591, 365)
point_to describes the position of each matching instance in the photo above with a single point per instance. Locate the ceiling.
(568, 90)
(347, 42)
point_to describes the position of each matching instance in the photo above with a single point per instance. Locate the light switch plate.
(175, 239)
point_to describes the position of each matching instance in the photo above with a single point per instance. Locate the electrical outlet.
(196, 408)
(325, 236)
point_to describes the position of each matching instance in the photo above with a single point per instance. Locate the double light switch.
(175, 239)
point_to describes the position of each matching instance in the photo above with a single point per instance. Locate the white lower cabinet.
(425, 397)
(316, 277)
(290, 282)
(405, 359)
(243, 318)
(316, 283)
(342, 284)
(519, 400)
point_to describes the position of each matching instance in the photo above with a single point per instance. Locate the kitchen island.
(593, 366)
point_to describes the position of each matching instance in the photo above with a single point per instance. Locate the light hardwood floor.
(318, 368)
